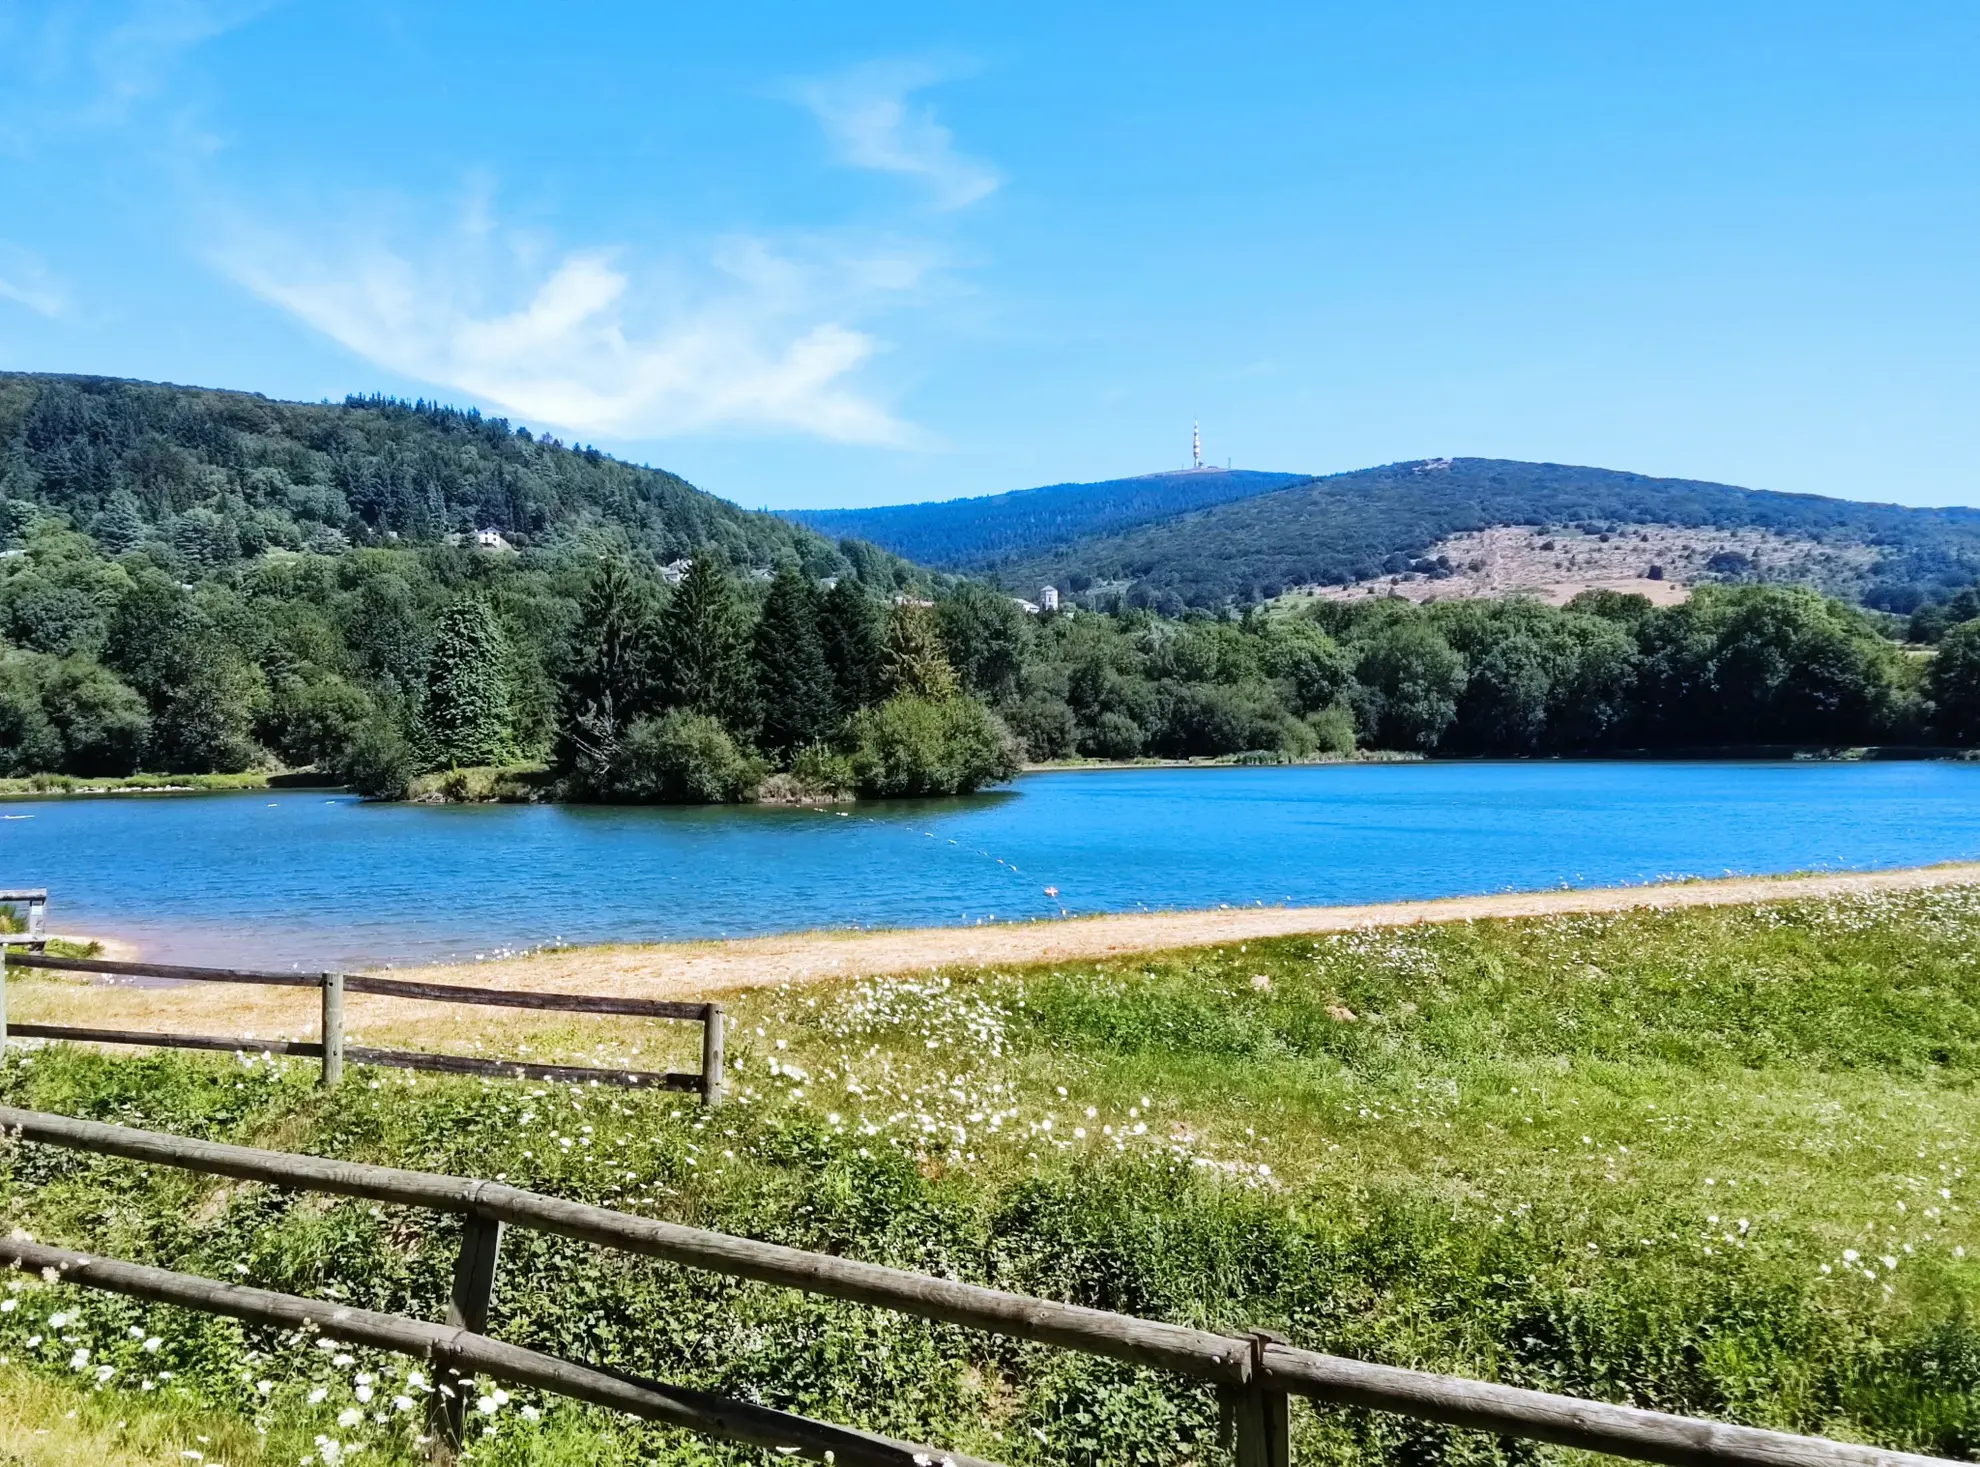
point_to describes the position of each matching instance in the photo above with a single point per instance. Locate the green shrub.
(1332, 728)
(913, 745)
(682, 758)
(823, 771)
(377, 761)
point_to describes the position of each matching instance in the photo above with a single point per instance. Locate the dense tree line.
(635, 681)
(379, 664)
(1730, 667)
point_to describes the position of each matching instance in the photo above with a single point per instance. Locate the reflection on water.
(309, 879)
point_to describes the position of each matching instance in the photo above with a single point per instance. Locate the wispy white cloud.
(26, 281)
(593, 341)
(872, 120)
(91, 63)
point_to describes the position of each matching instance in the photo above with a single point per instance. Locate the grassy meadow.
(1712, 1161)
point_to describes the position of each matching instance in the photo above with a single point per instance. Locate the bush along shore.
(1713, 1161)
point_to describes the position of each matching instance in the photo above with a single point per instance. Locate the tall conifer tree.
(849, 632)
(704, 646)
(794, 688)
(611, 677)
(465, 720)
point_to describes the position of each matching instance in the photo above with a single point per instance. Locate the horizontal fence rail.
(331, 1050)
(466, 1353)
(1256, 1372)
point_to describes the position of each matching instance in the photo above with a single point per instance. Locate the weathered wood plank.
(1596, 1426)
(467, 1308)
(575, 1003)
(120, 968)
(461, 1064)
(227, 1043)
(397, 1059)
(461, 1350)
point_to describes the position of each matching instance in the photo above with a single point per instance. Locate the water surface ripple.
(296, 878)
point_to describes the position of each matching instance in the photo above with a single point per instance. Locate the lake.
(311, 879)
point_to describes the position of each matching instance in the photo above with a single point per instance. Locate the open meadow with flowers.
(1709, 1161)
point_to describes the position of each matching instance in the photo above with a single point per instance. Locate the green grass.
(1657, 1158)
(75, 784)
(506, 784)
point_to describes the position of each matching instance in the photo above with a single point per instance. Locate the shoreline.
(717, 967)
(63, 786)
(697, 969)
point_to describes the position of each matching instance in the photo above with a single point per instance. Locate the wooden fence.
(1256, 1374)
(330, 1048)
(34, 910)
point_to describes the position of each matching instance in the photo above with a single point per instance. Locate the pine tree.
(795, 695)
(849, 631)
(704, 646)
(465, 720)
(121, 525)
(914, 661)
(610, 681)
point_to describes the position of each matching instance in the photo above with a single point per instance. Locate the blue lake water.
(315, 880)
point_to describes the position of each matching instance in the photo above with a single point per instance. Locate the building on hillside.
(906, 600)
(491, 540)
(674, 570)
(1048, 597)
(1029, 608)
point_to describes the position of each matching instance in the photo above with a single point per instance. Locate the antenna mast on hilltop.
(1196, 444)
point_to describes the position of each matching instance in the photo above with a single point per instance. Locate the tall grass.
(1710, 1162)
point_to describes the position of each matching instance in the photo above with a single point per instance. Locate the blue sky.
(860, 253)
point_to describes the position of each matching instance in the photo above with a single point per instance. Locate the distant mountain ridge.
(973, 534)
(1258, 540)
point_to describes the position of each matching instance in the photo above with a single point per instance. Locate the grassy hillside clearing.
(1711, 1161)
(1380, 522)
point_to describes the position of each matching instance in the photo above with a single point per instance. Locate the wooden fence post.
(333, 1030)
(467, 1308)
(3, 998)
(711, 1054)
(1263, 1417)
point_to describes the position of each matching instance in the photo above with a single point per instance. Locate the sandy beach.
(714, 969)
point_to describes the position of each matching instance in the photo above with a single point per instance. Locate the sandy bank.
(707, 969)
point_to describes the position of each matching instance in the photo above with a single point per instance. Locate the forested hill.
(1369, 523)
(969, 534)
(221, 476)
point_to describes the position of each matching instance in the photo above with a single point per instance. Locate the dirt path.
(706, 969)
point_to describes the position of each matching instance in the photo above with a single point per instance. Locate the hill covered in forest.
(212, 477)
(970, 534)
(1375, 522)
